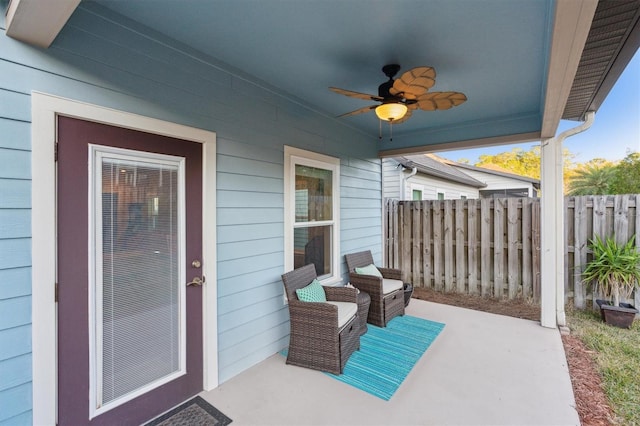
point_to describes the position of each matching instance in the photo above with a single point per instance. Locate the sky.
(615, 131)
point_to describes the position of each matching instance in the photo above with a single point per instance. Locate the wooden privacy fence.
(586, 217)
(491, 247)
(488, 246)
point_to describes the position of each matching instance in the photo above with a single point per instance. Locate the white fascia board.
(38, 22)
(571, 24)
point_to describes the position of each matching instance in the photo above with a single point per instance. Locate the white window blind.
(138, 287)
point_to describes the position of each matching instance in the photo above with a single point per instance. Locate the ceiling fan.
(402, 96)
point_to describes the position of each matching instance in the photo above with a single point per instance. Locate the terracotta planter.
(619, 316)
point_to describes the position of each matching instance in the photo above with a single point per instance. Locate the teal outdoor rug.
(387, 355)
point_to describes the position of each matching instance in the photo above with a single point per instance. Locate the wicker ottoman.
(364, 300)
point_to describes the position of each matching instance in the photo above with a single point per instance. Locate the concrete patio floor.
(483, 369)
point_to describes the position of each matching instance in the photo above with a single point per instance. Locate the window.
(463, 197)
(312, 212)
(440, 195)
(416, 192)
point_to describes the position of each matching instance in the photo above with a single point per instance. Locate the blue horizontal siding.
(248, 232)
(25, 418)
(16, 164)
(15, 223)
(243, 299)
(249, 199)
(16, 194)
(251, 313)
(240, 182)
(237, 165)
(15, 134)
(20, 397)
(243, 281)
(15, 253)
(248, 249)
(236, 335)
(15, 282)
(15, 312)
(241, 216)
(14, 105)
(234, 267)
(15, 371)
(15, 341)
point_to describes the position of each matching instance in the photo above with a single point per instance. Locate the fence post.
(426, 244)
(472, 244)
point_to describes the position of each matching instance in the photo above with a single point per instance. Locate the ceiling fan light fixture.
(391, 111)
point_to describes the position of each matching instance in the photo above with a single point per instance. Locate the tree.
(592, 178)
(626, 179)
(523, 163)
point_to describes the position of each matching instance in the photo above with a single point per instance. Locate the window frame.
(295, 156)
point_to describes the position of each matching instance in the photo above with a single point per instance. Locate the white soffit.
(38, 22)
(572, 22)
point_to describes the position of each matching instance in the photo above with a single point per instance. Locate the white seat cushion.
(389, 285)
(346, 310)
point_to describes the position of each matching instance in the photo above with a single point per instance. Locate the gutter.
(405, 179)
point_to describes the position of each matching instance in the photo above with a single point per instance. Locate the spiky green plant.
(614, 269)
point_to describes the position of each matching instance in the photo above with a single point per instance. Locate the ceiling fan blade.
(359, 111)
(413, 83)
(440, 100)
(353, 94)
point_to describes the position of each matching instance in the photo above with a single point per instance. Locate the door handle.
(196, 281)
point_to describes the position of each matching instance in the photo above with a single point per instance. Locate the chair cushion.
(346, 310)
(312, 293)
(369, 270)
(389, 285)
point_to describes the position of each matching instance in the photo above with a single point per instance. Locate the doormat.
(387, 355)
(195, 412)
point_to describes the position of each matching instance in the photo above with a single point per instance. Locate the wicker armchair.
(316, 341)
(387, 297)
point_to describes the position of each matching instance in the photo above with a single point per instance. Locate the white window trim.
(441, 191)
(44, 112)
(293, 156)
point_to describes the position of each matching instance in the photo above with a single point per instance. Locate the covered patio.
(482, 369)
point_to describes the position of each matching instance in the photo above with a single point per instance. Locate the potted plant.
(615, 271)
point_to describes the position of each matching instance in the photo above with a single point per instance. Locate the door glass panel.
(313, 194)
(138, 293)
(313, 245)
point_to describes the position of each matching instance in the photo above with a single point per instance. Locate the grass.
(617, 354)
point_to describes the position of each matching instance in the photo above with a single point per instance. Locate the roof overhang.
(38, 22)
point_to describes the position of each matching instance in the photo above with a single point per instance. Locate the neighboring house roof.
(433, 165)
(495, 170)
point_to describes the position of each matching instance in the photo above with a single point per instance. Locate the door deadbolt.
(196, 263)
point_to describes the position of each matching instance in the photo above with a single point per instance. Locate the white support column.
(552, 232)
(552, 239)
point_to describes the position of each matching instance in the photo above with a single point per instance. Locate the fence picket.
(485, 246)
(498, 247)
(513, 262)
(449, 259)
(472, 245)
(461, 262)
(416, 252)
(438, 258)
(427, 252)
(579, 250)
(527, 279)
(492, 246)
